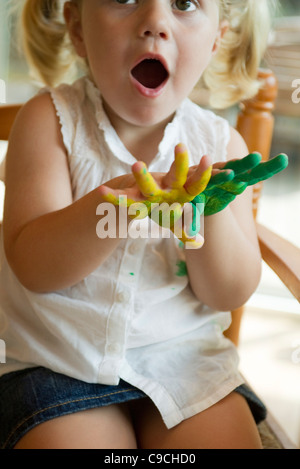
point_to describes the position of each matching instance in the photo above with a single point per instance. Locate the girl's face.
(145, 56)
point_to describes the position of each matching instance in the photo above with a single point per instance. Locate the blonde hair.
(231, 75)
(45, 41)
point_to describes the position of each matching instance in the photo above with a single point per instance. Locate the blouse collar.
(117, 147)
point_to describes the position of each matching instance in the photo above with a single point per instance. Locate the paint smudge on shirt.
(182, 269)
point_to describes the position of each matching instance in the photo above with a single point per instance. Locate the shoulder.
(36, 136)
(52, 113)
(38, 104)
(35, 115)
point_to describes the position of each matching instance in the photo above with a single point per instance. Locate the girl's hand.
(162, 196)
(243, 173)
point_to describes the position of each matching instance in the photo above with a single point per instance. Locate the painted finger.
(218, 201)
(138, 210)
(199, 199)
(220, 178)
(187, 228)
(195, 242)
(166, 215)
(244, 164)
(265, 170)
(120, 198)
(145, 181)
(192, 219)
(110, 195)
(180, 167)
(199, 180)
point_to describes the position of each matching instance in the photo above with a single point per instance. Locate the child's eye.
(185, 5)
(127, 2)
(182, 5)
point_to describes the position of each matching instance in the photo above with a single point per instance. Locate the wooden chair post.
(8, 114)
(255, 122)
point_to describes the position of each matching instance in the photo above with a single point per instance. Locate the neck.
(142, 142)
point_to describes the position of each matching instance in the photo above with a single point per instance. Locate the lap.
(100, 428)
(227, 424)
(39, 407)
(36, 396)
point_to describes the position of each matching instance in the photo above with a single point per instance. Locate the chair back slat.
(8, 114)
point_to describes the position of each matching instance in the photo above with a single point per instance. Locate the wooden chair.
(8, 114)
(255, 123)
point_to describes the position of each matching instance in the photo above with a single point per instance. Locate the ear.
(72, 17)
(223, 28)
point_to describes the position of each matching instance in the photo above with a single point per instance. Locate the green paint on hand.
(223, 188)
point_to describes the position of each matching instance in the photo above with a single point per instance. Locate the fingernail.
(139, 167)
(180, 148)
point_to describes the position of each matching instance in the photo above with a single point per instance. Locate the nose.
(155, 20)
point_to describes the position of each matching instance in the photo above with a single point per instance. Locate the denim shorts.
(33, 396)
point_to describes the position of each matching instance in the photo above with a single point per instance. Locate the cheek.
(191, 66)
(197, 53)
(107, 55)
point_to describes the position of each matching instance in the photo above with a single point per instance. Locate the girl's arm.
(50, 242)
(226, 270)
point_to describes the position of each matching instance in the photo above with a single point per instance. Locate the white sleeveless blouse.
(135, 317)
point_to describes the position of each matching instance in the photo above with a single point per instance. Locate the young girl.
(118, 342)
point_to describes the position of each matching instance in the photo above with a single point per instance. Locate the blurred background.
(270, 336)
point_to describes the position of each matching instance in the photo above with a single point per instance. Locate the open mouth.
(150, 73)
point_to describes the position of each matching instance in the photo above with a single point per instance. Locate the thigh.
(227, 424)
(31, 397)
(100, 428)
